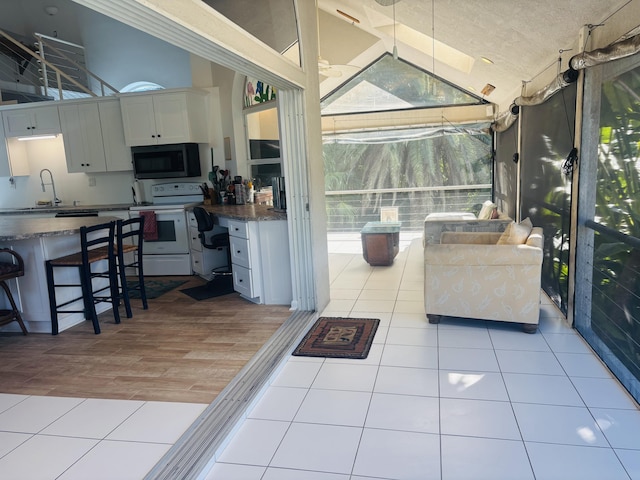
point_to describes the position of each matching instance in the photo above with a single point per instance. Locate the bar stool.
(97, 244)
(9, 270)
(129, 236)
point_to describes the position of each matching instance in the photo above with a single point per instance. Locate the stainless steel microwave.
(166, 161)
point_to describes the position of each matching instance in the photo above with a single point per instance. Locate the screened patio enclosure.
(608, 262)
(419, 167)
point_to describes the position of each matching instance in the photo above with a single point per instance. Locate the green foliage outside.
(456, 158)
(615, 314)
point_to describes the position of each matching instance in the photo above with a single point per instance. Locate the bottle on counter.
(250, 191)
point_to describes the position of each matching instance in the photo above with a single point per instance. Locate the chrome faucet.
(56, 200)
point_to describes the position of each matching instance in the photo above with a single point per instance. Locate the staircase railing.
(51, 79)
(48, 42)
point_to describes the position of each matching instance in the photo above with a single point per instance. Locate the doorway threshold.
(197, 449)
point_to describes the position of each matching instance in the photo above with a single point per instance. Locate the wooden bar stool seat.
(9, 270)
(97, 245)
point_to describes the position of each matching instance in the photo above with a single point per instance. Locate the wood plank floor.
(179, 350)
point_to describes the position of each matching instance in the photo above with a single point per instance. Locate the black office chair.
(206, 223)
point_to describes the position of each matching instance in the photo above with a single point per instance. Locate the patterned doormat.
(338, 337)
(153, 287)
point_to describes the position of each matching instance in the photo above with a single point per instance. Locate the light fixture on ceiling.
(51, 10)
(487, 89)
(433, 45)
(395, 47)
(487, 60)
(351, 18)
(386, 3)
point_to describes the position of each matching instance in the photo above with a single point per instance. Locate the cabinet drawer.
(238, 229)
(242, 281)
(197, 262)
(240, 252)
(192, 220)
(194, 240)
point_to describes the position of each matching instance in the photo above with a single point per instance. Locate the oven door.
(173, 235)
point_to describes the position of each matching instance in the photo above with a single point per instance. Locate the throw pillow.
(516, 233)
(486, 210)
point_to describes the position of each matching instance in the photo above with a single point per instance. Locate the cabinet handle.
(239, 252)
(159, 135)
(240, 280)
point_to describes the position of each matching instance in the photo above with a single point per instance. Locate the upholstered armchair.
(485, 275)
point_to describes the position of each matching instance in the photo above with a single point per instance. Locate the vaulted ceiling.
(522, 38)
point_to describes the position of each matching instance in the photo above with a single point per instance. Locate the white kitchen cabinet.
(164, 118)
(260, 260)
(29, 121)
(13, 157)
(117, 153)
(94, 137)
(82, 136)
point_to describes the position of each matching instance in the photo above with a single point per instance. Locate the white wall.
(121, 55)
(109, 188)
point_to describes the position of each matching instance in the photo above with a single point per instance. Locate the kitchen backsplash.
(107, 188)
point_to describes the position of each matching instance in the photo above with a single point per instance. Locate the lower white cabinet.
(260, 260)
(204, 260)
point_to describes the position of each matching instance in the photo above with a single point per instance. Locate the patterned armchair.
(468, 274)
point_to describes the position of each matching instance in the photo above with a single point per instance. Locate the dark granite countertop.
(12, 229)
(249, 213)
(65, 208)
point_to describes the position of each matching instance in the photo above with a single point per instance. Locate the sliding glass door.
(608, 262)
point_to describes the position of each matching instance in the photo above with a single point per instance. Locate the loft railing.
(48, 71)
(69, 57)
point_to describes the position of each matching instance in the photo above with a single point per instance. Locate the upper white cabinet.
(164, 118)
(13, 157)
(31, 121)
(94, 137)
(82, 137)
(116, 151)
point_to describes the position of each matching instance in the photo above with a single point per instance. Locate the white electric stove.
(169, 254)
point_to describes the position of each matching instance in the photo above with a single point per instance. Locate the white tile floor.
(77, 438)
(461, 400)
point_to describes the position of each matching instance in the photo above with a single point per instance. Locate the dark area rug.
(154, 287)
(214, 288)
(338, 337)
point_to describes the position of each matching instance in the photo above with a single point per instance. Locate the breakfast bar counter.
(38, 240)
(14, 229)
